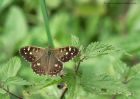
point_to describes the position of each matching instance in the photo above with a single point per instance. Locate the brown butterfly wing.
(48, 61)
(47, 64)
(31, 53)
(65, 54)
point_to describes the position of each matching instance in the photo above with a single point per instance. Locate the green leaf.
(10, 69)
(53, 3)
(120, 70)
(4, 96)
(4, 4)
(2, 91)
(14, 33)
(75, 41)
(133, 82)
(38, 86)
(135, 70)
(16, 81)
(70, 79)
(97, 49)
(103, 84)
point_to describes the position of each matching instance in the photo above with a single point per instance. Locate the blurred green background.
(118, 24)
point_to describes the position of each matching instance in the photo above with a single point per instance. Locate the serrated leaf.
(70, 80)
(121, 70)
(10, 69)
(75, 41)
(133, 81)
(2, 91)
(135, 70)
(16, 81)
(4, 96)
(97, 49)
(38, 86)
(103, 84)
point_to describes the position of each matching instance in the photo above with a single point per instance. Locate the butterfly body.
(47, 60)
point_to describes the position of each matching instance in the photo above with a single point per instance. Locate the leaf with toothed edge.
(46, 60)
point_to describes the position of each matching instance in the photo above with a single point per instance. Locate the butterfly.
(48, 60)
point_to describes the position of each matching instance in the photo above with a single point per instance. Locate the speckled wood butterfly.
(47, 60)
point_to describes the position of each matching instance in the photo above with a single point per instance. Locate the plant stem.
(78, 64)
(63, 93)
(114, 97)
(46, 20)
(11, 93)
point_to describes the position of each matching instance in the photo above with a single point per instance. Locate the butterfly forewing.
(65, 54)
(31, 53)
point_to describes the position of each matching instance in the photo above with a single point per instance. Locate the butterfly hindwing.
(31, 53)
(47, 65)
(56, 66)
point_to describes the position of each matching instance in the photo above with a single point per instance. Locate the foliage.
(107, 36)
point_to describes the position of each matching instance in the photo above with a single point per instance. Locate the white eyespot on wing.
(24, 49)
(30, 53)
(66, 53)
(28, 48)
(56, 65)
(38, 64)
(71, 53)
(25, 53)
(69, 48)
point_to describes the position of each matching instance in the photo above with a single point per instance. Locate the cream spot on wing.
(30, 53)
(25, 53)
(66, 53)
(56, 65)
(69, 48)
(71, 53)
(24, 49)
(61, 51)
(28, 48)
(38, 64)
